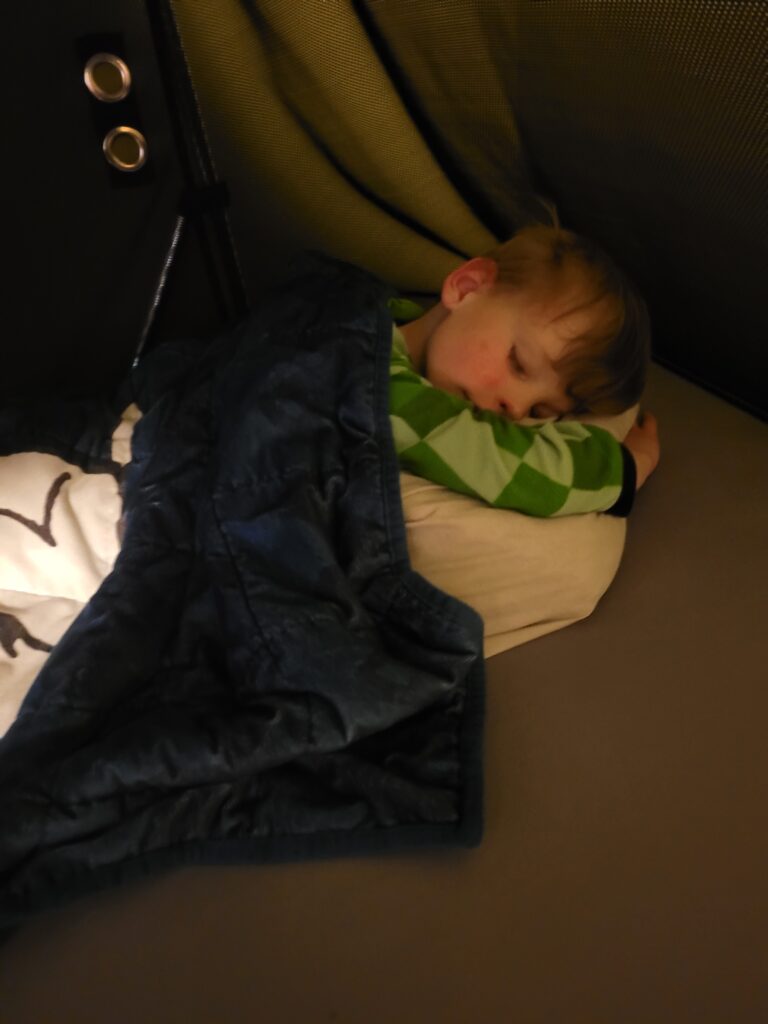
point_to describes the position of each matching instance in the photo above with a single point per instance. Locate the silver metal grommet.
(107, 77)
(125, 148)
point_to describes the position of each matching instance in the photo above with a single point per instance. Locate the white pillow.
(59, 540)
(525, 576)
(30, 625)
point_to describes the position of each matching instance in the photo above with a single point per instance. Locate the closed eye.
(515, 363)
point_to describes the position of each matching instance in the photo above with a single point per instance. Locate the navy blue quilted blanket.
(262, 677)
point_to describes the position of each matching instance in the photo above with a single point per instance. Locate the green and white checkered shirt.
(555, 469)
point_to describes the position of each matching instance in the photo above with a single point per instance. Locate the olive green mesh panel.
(404, 134)
(314, 139)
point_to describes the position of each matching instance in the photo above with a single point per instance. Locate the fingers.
(647, 421)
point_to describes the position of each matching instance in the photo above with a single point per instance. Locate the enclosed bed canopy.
(437, 127)
(621, 873)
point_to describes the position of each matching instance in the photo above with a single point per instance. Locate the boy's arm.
(554, 469)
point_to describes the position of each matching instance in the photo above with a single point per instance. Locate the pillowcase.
(525, 576)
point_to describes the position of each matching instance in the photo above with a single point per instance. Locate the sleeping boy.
(543, 327)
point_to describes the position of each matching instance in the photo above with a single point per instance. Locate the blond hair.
(604, 368)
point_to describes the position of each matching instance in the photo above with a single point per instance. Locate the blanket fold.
(262, 676)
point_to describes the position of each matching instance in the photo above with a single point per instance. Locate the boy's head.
(605, 362)
(542, 325)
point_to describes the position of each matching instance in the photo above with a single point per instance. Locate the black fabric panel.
(87, 245)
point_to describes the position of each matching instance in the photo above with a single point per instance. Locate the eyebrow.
(523, 348)
(535, 359)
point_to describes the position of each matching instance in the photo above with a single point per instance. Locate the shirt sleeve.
(555, 469)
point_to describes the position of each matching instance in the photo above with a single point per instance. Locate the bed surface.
(621, 876)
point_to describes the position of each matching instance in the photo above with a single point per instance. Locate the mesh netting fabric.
(408, 135)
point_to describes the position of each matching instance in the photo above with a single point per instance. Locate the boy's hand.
(643, 442)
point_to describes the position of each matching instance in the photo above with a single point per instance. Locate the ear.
(478, 274)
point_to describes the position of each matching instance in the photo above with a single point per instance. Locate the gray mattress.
(621, 877)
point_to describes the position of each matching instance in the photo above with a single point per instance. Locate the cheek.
(481, 363)
(468, 360)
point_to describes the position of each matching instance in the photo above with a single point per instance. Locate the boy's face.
(495, 349)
